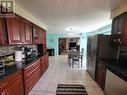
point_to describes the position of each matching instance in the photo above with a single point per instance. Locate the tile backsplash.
(6, 50)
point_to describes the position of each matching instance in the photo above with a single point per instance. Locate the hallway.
(59, 73)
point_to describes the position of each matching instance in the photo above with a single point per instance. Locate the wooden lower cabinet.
(12, 85)
(22, 81)
(47, 62)
(44, 63)
(31, 74)
(101, 72)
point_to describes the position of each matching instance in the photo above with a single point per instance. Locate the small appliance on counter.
(30, 52)
(18, 55)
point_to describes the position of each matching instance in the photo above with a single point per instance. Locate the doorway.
(66, 44)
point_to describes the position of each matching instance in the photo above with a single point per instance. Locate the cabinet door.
(35, 34)
(43, 62)
(3, 34)
(40, 36)
(14, 32)
(124, 34)
(12, 85)
(46, 60)
(14, 89)
(27, 32)
(100, 78)
(44, 41)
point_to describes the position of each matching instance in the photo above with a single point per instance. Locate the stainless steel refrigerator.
(98, 48)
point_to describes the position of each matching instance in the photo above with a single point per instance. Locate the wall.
(119, 9)
(52, 39)
(6, 50)
(22, 12)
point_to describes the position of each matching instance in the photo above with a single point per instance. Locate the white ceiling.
(88, 15)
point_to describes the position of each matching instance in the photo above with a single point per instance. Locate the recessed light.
(72, 28)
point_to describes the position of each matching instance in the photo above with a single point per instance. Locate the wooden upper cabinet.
(3, 34)
(119, 29)
(124, 34)
(19, 30)
(27, 32)
(40, 36)
(35, 34)
(44, 41)
(13, 30)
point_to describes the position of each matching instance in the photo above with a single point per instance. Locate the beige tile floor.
(60, 72)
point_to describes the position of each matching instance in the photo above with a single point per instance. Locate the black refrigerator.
(98, 48)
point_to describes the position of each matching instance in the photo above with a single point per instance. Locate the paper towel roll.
(18, 55)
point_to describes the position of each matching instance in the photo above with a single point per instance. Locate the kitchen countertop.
(7, 70)
(118, 68)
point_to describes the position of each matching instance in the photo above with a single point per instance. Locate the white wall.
(119, 9)
(22, 12)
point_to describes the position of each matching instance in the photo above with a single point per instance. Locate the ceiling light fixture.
(72, 29)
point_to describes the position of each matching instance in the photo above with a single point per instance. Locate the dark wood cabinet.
(40, 36)
(44, 63)
(119, 30)
(44, 41)
(19, 30)
(3, 33)
(31, 73)
(13, 29)
(27, 32)
(12, 85)
(100, 77)
(35, 34)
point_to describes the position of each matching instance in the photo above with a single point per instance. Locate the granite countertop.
(7, 70)
(118, 68)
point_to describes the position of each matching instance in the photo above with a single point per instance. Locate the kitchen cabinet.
(100, 77)
(19, 30)
(40, 36)
(13, 29)
(31, 74)
(44, 63)
(27, 32)
(3, 34)
(44, 41)
(119, 30)
(35, 34)
(12, 85)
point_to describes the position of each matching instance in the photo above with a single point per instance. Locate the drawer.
(31, 72)
(31, 81)
(10, 79)
(32, 66)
